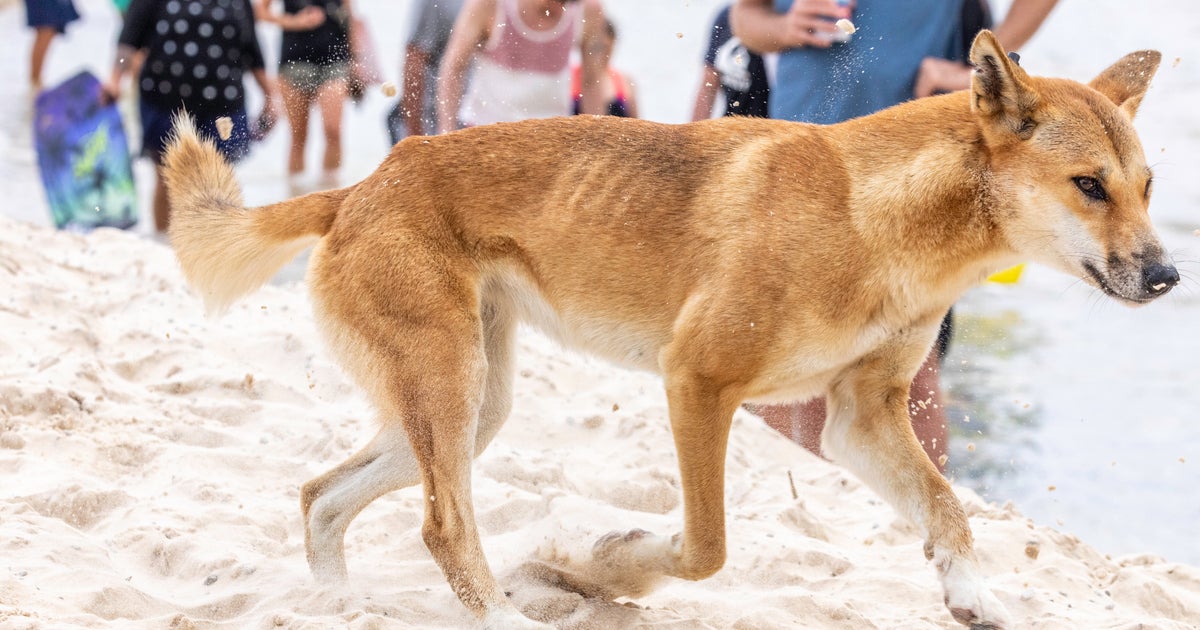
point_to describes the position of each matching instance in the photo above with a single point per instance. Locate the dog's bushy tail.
(225, 249)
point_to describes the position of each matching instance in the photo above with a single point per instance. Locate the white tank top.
(522, 73)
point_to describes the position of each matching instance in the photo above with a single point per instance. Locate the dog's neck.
(922, 190)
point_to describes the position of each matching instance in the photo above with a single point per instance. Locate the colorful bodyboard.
(84, 157)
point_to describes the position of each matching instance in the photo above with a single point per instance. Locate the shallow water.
(1081, 411)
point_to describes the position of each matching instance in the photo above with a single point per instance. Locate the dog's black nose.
(1159, 278)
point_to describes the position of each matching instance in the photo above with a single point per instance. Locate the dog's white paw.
(969, 600)
(327, 568)
(510, 619)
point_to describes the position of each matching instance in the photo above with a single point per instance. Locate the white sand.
(152, 459)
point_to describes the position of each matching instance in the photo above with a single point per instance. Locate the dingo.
(741, 259)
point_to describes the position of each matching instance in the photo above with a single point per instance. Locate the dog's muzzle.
(1132, 283)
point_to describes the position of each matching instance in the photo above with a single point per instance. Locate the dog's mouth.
(1103, 284)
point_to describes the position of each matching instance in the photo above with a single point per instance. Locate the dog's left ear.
(1001, 89)
(1126, 81)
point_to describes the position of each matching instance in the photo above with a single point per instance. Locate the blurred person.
(192, 57)
(48, 19)
(518, 53)
(916, 49)
(618, 92)
(314, 69)
(937, 75)
(731, 68)
(415, 114)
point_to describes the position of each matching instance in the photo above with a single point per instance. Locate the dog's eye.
(1091, 187)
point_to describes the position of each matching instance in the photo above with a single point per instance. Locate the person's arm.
(471, 29)
(706, 96)
(592, 70)
(267, 85)
(258, 70)
(139, 18)
(121, 65)
(631, 106)
(412, 101)
(807, 23)
(1023, 19)
(252, 56)
(307, 19)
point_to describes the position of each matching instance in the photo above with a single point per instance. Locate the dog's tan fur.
(741, 259)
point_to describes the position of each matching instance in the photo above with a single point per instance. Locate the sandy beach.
(151, 458)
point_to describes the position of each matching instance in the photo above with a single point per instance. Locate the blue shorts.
(156, 131)
(54, 14)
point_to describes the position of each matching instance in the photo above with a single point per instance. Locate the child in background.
(619, 98)
(732, 69)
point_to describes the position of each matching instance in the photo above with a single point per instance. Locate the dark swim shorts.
(56, 14)
(156, 132)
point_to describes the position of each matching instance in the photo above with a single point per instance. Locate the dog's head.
(1068, 172)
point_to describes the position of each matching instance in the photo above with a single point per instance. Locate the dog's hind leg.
(868, 430)
(440, 387)
(499, 345)
(421, 352)
(330, 502)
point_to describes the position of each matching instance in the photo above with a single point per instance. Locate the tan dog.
(740, 259)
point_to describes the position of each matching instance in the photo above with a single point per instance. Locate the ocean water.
(1084, 413)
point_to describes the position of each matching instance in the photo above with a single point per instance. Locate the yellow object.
(1008, 276)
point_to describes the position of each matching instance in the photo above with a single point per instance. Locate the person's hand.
(812, 23)
(110, 92)
(937, 76)
(307, 19)
(262, 125)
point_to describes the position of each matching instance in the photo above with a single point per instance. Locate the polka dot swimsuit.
(196, 51)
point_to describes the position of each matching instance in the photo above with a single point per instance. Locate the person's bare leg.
(160, 204)
(296, 102)
(800, 422)
(332, 98)
(927, 413)
(37, 56)
(803, 422)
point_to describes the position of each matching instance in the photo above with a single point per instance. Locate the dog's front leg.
(868, 430)
(701, 414)
(632, 563)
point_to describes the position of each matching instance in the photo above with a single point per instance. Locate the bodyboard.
(83, 156)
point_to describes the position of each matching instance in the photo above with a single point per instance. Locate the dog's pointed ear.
(1126, 81)
(1000, 88)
